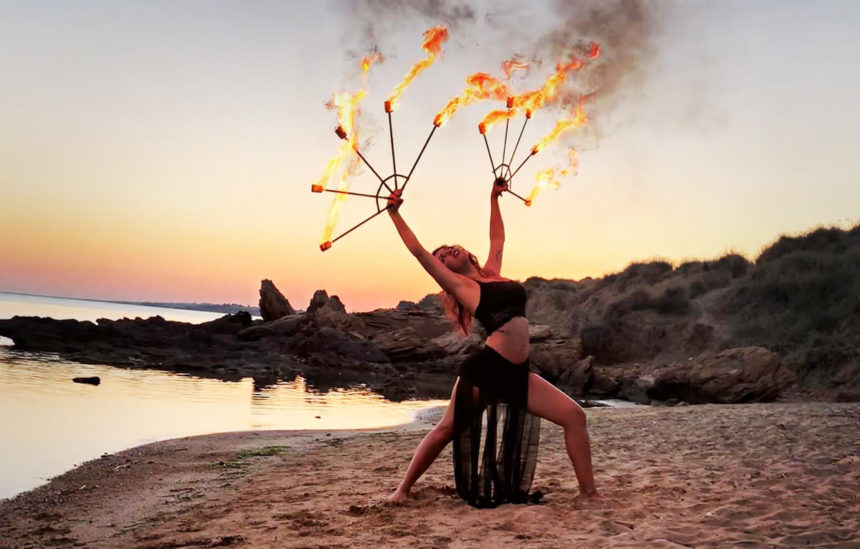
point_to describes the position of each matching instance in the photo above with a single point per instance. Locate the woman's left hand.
(394, 201)
(499, 186)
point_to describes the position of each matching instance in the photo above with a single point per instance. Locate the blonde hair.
(453, 309)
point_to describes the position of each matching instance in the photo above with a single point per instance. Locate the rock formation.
(273, 304)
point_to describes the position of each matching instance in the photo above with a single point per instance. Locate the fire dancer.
(494, 382)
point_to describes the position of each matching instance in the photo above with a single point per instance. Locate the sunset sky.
(164, 150)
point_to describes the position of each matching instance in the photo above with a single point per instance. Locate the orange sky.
(179, 169)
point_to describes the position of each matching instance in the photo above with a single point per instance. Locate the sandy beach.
(755, 475)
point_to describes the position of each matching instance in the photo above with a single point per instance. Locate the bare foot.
(398, 497)
(595, 495)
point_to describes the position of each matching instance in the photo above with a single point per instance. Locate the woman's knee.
(444, 430)
(574, 417)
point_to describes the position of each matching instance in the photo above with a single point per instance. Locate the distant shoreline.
(226, 308)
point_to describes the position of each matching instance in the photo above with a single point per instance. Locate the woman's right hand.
(394, 201)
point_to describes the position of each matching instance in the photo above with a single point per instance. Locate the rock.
(283, 327)
(576, 378)
(431, 302)
(638, 390)
(408, 345)
(552, 360)
(604, 382)
(743, 374)
(454, 343)
(321, 299)
(330, 312)
(336, 344)
(538, 332)
(227, 324)
(93, 380)
(273, 304)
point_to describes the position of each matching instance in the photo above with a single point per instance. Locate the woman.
(494, 383)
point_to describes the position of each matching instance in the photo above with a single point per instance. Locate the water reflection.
(50, 423)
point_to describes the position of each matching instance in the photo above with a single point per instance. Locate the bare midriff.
(511, 340)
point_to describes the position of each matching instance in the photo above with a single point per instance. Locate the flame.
(367, 61)
(494, 117)
(433, 39)
(479, 86)
(346, 104)
(550, 178)
(536, 99)
(339, 199)
(511, 65)
(576, 119)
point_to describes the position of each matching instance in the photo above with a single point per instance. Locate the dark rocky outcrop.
(745, 374)
(273, 304)
(726, 331)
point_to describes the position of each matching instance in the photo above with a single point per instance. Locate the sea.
(48, 424)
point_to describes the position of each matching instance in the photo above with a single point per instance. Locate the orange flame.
(433, 39)
(494, 117)
(346, 104)
(479, 86)
(511, 65)
(576, 119)
(535, 99)
(339, 199)
(550, 178)
(367, 61)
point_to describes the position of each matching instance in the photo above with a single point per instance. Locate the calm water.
(49, 424)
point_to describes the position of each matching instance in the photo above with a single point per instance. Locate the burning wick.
(388, 108)
(325, 245)
(316, 188)
(340, 132)
(510, 102)
(528, 202)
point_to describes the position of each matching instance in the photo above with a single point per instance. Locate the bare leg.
(548, 402)
(427, 451)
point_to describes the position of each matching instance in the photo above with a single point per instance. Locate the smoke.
(626, 30)
(540, 33)
(376, 18)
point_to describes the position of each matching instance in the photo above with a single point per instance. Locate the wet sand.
(753, 475)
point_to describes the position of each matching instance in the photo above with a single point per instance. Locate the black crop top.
(500, 301)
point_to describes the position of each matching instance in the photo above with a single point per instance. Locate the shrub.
(697, 288)
(690, 267)
(648, 272)
(831, 240)
(638, 300)
(735, 264)
(674, 301)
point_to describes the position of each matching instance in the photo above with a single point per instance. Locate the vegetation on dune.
(799, 298)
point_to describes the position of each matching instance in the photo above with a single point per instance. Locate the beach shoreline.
(756, 474)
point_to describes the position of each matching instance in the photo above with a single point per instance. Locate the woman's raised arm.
(497, 230)
(451, 282)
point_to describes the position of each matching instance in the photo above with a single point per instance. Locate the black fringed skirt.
(495, 438)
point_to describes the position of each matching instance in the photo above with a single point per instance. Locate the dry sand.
(695, 476)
